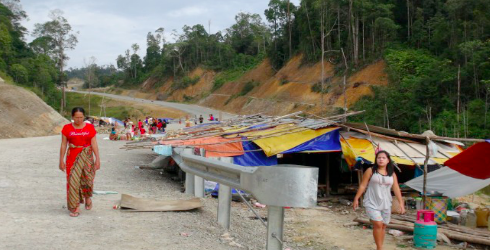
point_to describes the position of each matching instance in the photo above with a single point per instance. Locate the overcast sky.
(109, 27)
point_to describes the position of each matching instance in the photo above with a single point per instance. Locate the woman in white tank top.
(379, 181)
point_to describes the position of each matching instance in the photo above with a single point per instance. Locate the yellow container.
(482, 217)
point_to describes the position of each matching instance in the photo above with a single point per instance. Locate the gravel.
(34, 216)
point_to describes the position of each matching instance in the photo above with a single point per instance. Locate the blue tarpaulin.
(253, 158)
(325, 143)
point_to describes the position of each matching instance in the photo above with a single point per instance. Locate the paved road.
(194, 110)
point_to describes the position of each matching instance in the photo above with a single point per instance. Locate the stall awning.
(214, 146)
(359, 145)
(286, 138)
(465, 173)
(328, 142)
(473, 162)
(254, 156)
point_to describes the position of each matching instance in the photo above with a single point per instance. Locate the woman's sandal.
(88, 206)
(75, 213)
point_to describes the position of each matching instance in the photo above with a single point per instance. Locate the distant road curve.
(193, 110)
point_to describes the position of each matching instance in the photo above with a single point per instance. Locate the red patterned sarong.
(80, 177)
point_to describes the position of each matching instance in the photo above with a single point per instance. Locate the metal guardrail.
(276, 186)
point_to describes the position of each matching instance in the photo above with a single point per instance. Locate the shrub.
(248, 87)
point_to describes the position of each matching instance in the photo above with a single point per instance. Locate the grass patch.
(317, 87)
(6, 78)
(283, 82)
(185, 82)
(248, 87)
(226, 76)
(188, 98)
(82, 100)
(230, 99)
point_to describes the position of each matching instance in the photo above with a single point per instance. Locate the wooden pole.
(327, 181)
(427, 156)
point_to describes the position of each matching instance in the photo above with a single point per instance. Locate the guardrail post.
(199, 181)
(189, 178)
(275, 223)
(224, 201)
(224, 206)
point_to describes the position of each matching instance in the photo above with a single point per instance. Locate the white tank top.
(378, 194)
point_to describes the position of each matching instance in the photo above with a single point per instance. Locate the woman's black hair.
(390, 168)
(77, 109)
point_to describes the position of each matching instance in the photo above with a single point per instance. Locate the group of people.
(130, 131)
(155, 125)
(188, 121)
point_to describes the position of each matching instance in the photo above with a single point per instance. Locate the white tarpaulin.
(449, 182)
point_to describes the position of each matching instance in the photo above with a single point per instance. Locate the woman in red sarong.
(79, 137)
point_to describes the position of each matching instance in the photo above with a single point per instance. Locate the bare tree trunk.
(309, 28)
(429, 34)
(475, 76)
(338, 23)
(373, 31)
(363, 50)
(289, 23)
(323, 56)
(63, 98)
(345, 83)
(387, 116)
(354, 28)
(345, 98)
(464, 121)
(458, 105)
(428, 112)
(408, 19)
(486, 110)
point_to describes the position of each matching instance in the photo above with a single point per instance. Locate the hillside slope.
(274, 93)
(23, 114)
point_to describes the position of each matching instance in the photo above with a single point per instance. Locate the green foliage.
(19, 73)
(185, 82)
(22, 64)
(283, 82)
(249, 86)
(423, 45)
(317, 87)
(226, 76)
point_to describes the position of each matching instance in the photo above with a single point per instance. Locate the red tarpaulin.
(473, 162)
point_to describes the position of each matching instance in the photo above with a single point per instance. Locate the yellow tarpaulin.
(285, 138)
(355, 147)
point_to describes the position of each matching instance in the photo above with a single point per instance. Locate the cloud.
(187, 11)
(109, 27)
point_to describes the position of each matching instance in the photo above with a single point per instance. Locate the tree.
(63, 38)
(5, 41)
(43, 45)
(20, 73)
(91, 79)
(135, 60)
